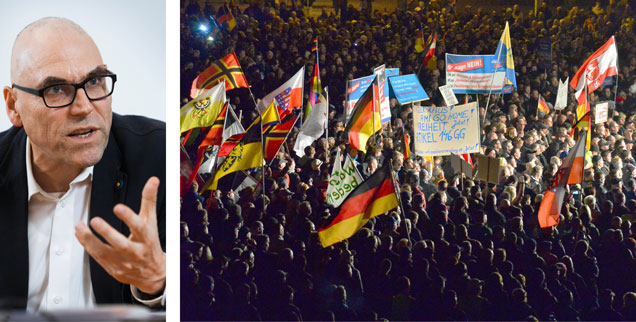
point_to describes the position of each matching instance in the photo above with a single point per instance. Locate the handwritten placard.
(443, 130)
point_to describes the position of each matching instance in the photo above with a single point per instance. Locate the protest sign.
(356, 87)
(443, 130)
(473, 74)
(487, 169)
(600, 112)
(544, 52)
(449, 96)
(459, 165)
(407, 89)
(342, 181)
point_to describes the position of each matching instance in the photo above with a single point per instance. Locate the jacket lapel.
(108, 189)
(14, 242)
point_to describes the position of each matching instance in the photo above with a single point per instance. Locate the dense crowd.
(456, 249)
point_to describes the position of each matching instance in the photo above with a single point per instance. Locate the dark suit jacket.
(136, 151)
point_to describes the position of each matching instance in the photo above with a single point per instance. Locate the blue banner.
(473, 74)
(359, 85)
(407, 89)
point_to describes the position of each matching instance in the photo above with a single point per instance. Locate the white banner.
(443, 130)
(342, 181)
(562, 96)
(385, 107)
(449, 96)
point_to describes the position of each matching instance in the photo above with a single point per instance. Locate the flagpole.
(373, 108)
(327, 120)
(262, 161)
(396, 188)
(617, 71)
(346, 110)
(492, 80)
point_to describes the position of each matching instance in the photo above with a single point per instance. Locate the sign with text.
(356, 87)
(342, 181)
(600, 112)
(449, 96)
(473, 74)
(443, 130)
(407, 89)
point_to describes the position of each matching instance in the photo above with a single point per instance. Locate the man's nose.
(81, 105)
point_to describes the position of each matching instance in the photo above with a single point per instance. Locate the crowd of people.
(455, 249)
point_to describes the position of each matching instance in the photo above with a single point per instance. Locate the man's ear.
(10, 100)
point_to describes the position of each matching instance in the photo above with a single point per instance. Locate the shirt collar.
(33, 186)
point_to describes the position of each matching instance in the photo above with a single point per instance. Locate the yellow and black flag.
(247, 154)
(365, 119)
(373, 197)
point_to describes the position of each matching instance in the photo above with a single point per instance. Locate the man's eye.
(57, 89)
(93, 81)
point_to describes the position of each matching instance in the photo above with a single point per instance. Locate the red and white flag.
(595, 69)
(288, 96)
(550, 208)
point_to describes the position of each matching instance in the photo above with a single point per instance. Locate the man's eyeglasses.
(61, 95)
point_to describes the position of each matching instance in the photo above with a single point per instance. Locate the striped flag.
(287, 97)
(543, 106)
(419, 41)
(276, 135)
(227, 69)
(550, 208)
(316, 87)
(246, 154)
(227, 18)
(373, 197)
(430, 51)
(595, 69)
(365, 119)
(406, 146)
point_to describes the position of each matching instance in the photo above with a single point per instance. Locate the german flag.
(315, 46)
(583, 124)
(226, 68)
(406, 146)
(365, 119)
(227, 18)
(373, 197)
(543, 106)
(419, 41)
(245, 155)
(276, 136)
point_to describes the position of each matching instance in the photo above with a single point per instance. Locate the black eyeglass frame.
(40, 92)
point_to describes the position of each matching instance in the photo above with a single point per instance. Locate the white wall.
(131, 35)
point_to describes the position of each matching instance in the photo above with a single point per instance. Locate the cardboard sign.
(459, 165)
(449, 96)
(487, 169)
(600, 112)
(443, 130)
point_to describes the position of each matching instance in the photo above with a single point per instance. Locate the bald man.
(67, 164)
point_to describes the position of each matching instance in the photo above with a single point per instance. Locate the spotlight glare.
(203, 27)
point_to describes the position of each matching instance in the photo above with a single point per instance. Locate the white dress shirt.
(59, 270)
(59, 273)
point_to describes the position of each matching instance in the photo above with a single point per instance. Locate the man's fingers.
(149, 200)
(114, 238)
(91, 243)
(135, 223)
